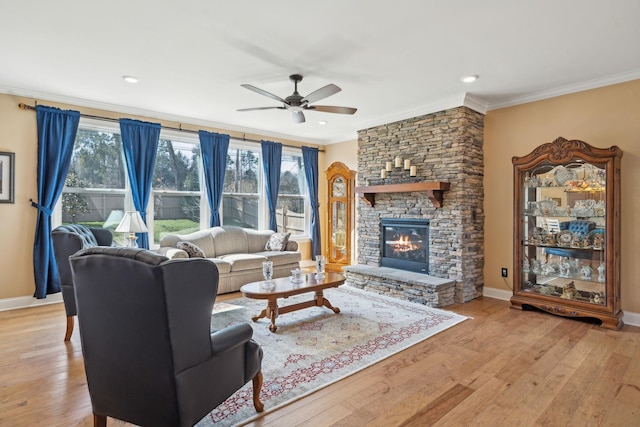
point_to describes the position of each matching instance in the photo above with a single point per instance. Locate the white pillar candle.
(414, 170)
(389, 166)
(383, 173)
(398, 162)
(407, 164)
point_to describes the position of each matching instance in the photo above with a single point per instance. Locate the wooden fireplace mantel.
(433, 189)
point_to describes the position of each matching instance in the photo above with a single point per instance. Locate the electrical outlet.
(504, 272)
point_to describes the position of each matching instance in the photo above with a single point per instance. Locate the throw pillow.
(193, 250)
(277, 242)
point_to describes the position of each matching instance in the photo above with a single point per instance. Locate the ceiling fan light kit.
(297, 103)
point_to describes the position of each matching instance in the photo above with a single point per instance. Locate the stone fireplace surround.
(447, 147)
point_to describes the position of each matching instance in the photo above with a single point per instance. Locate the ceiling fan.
(297, 103)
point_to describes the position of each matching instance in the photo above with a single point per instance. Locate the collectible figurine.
(569, 291)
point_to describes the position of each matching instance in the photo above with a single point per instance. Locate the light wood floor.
(504, 367)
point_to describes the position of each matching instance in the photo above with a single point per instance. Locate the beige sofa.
(237, 252)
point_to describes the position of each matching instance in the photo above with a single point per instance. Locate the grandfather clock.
(340, 214)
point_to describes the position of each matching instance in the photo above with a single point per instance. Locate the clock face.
(565, 237)
(339, 188)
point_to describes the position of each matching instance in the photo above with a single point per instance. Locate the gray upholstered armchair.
(67, 240)
(150, 356)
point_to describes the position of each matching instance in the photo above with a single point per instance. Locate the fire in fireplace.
(405, 244)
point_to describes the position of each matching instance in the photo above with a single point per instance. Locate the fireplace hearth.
(405, 244)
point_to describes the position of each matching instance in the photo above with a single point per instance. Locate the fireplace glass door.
(405, 244)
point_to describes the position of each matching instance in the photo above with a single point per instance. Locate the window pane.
(97, 160)
(290, 214)
(241, 175)
(241, 183)
(94, 188)
(176, 188)
(240, 210)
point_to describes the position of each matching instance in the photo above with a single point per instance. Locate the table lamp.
(132, 223)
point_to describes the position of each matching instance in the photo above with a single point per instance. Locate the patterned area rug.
(314, 347)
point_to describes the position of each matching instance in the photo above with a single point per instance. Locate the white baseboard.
(24, 302)
(497, 293)
(629, 318)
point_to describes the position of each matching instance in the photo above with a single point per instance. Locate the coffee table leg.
(322, 301)
(272, 313)
(262, 314)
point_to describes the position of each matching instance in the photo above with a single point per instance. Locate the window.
(241, 197)
(97, 191)
(95, 187)
(290, 211)
(176, 188)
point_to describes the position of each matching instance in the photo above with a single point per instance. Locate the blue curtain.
(140, 144)
(271, 164)
(214, 148)
(310, 159)
(56, 134)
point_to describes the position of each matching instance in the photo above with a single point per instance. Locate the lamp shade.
(132, 223)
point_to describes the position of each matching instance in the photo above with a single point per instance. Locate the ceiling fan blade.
(332, 109)
(263, 92)
(321, 93)
(298, 116)
(261, 108)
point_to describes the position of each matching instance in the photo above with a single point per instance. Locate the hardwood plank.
(439, 407)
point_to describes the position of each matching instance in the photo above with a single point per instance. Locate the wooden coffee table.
(283, 288)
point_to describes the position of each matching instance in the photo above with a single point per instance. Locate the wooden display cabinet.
(567, 231)
(340, 211)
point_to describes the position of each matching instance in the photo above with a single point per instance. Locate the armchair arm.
(103, 236)
(292, 246)
(172, 253)
(230, 337)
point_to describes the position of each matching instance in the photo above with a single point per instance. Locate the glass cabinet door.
(338, 231)
(564, 212)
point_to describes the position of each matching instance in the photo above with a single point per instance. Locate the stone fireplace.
(446, 147)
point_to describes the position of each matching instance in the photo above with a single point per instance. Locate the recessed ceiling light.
(323, 122)
(469, 79)
(130, 79)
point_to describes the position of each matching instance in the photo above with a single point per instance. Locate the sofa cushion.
(277, 242)
(224, 267)
(202, 239)
(281, 258)
(229, 240)
(257, 239)
(192, 250)
(241, 262)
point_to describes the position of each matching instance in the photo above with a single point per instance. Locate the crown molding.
(568, 89)
(439, 105)
(476, 103)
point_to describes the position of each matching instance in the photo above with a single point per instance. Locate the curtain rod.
(24, 106)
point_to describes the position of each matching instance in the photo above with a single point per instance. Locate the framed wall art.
(7, 173)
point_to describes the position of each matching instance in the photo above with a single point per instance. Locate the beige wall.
(601, 117)
(18, 134)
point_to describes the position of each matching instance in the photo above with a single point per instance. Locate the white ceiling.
(393, 60)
